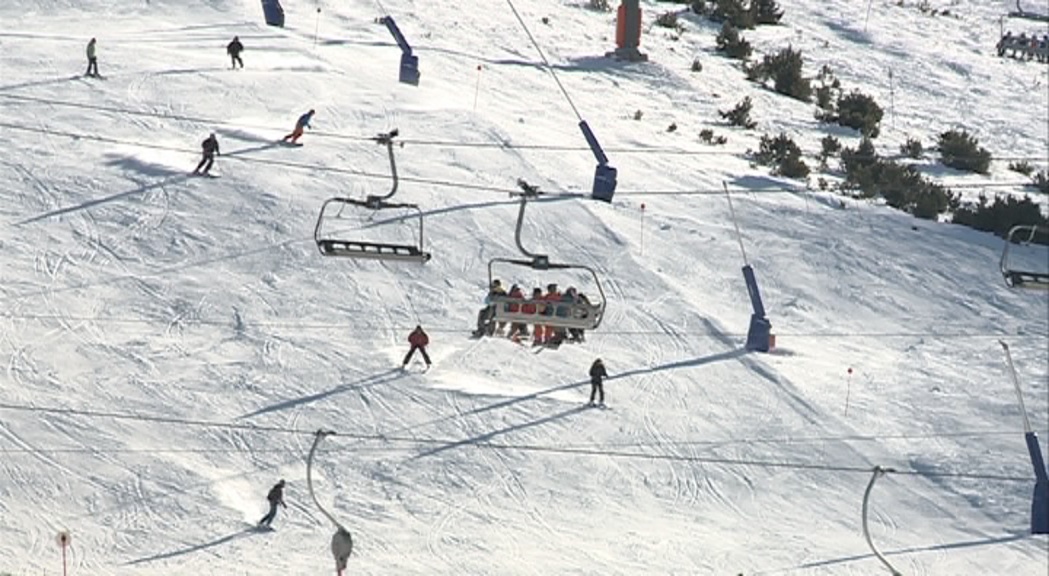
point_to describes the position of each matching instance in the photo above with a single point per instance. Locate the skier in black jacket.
(234, 49)
(597, 376)
(210, 149)
(276, 498)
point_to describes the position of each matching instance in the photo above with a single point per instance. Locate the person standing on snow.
(418, 340)
(597, 376)
(210, 149)
(234, 49)
(275, 498)
(92, 60)
(302, 123)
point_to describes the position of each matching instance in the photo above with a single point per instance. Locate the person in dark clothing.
(210, 149)
(276, 498)
(418, 340)
(597, 376)
(234, 49)
(92, 60)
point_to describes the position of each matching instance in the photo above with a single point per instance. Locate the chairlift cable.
(88, 413)
(546, 62)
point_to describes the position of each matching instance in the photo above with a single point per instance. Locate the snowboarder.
(92, 60)
(275, 498)
(302, 123)
(418, 340)
(597, 376)
(234, 49)
(210, 149)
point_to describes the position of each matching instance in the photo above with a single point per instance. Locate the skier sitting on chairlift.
(517, 329)
(486, 325)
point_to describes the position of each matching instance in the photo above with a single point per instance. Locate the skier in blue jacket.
(302, 123)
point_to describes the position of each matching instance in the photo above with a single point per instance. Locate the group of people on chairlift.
(572, 303)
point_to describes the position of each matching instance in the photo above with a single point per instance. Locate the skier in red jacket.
(418, 340)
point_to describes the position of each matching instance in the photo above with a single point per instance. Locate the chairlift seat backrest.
(1016, 276)
(570, 315)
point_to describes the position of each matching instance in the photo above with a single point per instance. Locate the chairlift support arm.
(386, 139)
(538, 261)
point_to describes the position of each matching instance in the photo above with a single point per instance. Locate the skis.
(409, 368)
(548, 346)
(600, 405)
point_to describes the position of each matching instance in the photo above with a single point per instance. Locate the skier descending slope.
(275, 498)
(597, 377)
(209, 149)
(418, 341)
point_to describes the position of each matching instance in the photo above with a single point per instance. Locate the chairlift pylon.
(338, 244)
(1014, 275)
(567, 315)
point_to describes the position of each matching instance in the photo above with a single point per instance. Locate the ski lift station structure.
(340, 244)
(1015, 275)
(568, 315)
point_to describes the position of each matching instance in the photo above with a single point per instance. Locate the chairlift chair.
(336, 243)
(566, 315)
(1014, 275)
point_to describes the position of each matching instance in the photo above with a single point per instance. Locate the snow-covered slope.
(173, 342)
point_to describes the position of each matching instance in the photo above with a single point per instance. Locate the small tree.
(1023, 167)
(707, 135)
(827, 94)
(732, 44)
(860, 111)
(1041, 181)
(912, 148)
(669, 20)
(829, 146)
(784, 69)
(960, 150)
(783, 155)
(600, 5)
(1000, 216)
(740, 115)
(765, 11)
(731, 11)
(858, 165)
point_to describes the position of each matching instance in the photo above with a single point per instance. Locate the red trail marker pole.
(63, 540)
